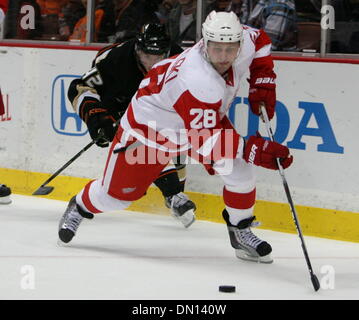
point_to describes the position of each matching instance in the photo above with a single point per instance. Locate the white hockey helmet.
(222, 27)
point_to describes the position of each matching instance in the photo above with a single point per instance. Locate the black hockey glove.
(100, 123)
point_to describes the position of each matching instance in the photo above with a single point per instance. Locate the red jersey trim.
(148, 133)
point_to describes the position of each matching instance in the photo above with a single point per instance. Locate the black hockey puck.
(227, 288)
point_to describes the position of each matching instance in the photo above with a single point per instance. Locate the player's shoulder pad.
(114, 53)
(258, 36)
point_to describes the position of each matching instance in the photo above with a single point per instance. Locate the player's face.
(222, 54)
(148, 60)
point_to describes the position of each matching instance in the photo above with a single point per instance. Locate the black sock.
(169, 183)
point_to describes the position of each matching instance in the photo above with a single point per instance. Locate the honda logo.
(63, 118)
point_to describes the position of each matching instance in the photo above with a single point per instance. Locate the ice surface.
(135, 256)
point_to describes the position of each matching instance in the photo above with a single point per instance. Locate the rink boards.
(317, 118)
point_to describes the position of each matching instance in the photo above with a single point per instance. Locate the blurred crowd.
(293, 25)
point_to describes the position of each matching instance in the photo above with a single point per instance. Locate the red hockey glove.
(262, 90)
(261, 152)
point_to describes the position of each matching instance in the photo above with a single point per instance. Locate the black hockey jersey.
(113, 79)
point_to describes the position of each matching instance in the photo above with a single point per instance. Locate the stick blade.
(315, 282)
(43, 190)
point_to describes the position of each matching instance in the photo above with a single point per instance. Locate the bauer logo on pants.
(63, 118)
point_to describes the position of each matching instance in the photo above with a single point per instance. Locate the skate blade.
(5, 200)
(241, 254)
(187, 218)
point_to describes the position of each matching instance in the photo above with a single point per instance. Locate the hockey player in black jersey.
(101, 96)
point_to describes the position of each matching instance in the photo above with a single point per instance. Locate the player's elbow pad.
(72, 93)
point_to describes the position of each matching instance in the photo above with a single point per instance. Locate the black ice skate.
(181, 208)
(71, 220)
(246, 244)
(5, 193)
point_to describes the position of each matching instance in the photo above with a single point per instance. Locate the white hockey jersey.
(182, 102)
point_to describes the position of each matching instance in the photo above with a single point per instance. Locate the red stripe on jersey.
(2, 107)
(86, 199)
(4, 5)
(153, 87)
(117, 138)
(230, 77)
(263, 65)
(149, 133)
(185, 106)
(262, 40)
(239, 200)
(203, 122)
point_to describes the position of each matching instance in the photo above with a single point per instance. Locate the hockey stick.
(313, 277)
(44, 189)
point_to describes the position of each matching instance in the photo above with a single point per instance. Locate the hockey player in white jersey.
(180, 107)
(102, 95)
